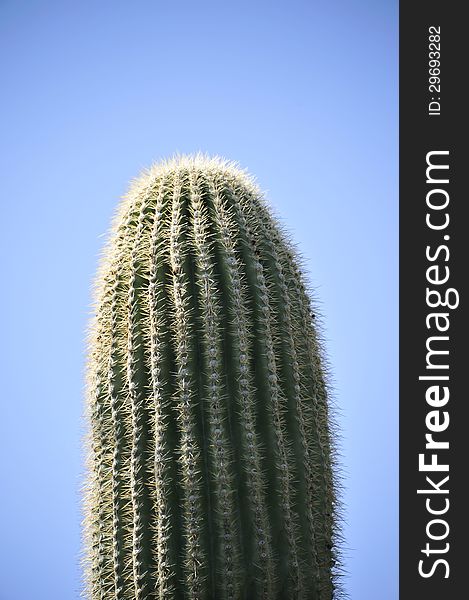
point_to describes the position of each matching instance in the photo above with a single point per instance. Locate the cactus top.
(209, 444)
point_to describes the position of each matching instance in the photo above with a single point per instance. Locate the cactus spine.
(209, 443)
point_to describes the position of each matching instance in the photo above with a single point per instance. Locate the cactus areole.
(209, 453)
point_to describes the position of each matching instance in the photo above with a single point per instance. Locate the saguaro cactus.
(209, 452)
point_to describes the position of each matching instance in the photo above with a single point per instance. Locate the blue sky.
(304, 95)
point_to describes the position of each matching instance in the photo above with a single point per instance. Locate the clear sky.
(303, 94)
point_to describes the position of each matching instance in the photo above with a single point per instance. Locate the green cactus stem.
(209, 457)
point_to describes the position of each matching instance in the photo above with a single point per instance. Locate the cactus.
(210, 469)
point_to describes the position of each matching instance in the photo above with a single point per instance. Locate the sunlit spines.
(210, 462)
(137, 375)
(165, 560)
(190, 459)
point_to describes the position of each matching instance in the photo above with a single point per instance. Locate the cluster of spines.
(210, 471)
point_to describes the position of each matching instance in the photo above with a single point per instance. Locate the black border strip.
(433, 266)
